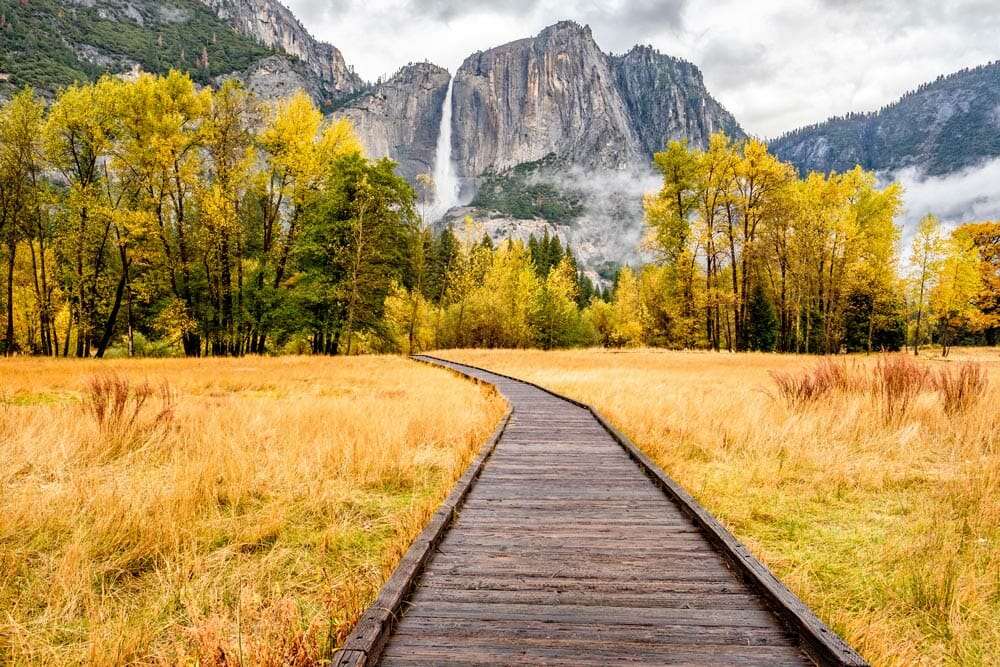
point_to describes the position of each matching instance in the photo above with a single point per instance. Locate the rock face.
(667, 100)
(277, 77)
(401, 117)
(555, 93)
(940, 128)
(559, 93)
(273, 25)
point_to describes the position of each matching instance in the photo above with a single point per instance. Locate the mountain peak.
(570, 28)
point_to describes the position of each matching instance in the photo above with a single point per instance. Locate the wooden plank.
(599, 658)
(600, 597)
(572, 571)
(594, 615)
(524, 630)
(693, 588)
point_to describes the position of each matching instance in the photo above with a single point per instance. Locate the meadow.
(869, 485)
(215, 511)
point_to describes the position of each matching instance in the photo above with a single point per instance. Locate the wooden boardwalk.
(565, 553)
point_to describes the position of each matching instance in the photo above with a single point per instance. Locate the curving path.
(565, 553)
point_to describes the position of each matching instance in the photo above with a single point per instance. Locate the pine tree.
(762, 324)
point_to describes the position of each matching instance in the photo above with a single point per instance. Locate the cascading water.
(446, 185)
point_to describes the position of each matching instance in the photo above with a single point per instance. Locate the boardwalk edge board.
(365, 643)
(820, 642)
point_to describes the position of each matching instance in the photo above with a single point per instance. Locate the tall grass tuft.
(118, 407)
(811, 385)
(274, 639)
(896, 381)
(962, 390)
(893, 383)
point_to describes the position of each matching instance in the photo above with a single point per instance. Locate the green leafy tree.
(441, 258)
(299, 151)
(556, 318)
(352, 249)
(762, 323)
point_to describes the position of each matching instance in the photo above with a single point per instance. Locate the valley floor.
(244, 511)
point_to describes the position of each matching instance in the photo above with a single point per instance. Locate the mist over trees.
(153, 217)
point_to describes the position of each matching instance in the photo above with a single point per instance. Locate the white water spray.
(446, 185)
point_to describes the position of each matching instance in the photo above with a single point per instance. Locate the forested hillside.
(941, 127)
(48, 44)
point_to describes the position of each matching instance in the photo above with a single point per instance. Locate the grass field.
(215, 512)
(879, 508)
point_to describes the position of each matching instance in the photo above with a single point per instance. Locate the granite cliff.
(400, 118)
(555, 93)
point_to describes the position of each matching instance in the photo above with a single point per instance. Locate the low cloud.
(612, 227)
(970, 195)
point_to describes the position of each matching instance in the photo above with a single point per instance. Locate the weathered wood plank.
(600, 598)
(594, 615)
(481, 651)
(561, 631)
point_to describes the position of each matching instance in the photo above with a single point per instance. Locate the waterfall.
(446, 184)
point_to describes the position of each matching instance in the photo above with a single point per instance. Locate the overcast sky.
(775, 64)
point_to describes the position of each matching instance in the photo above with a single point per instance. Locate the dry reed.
(963, 389)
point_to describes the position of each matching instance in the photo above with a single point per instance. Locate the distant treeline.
(149, 217)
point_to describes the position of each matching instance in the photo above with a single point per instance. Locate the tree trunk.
(12, 347)
(109, 326)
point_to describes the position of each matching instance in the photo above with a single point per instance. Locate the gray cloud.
(736, 61)
(620, 27)
(448, 10)
(970, 195)
(640, 14)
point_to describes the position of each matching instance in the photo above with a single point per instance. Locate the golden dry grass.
(244, 514)
(886, 524)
